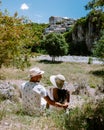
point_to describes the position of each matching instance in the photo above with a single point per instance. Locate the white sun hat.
(35, 71)
(54, 77)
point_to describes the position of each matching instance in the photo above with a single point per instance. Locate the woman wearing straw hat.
(58, 92)
(33, 92)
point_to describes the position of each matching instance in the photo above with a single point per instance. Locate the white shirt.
(32, 94)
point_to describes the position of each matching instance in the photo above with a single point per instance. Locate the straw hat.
(57, 80)
(35, 71)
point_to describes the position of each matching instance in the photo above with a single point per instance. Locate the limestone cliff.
(87, 29)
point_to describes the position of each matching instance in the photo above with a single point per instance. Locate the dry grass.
(74, 72)
(14, 119)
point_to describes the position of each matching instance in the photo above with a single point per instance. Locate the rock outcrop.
(87, 29)
(9, 91)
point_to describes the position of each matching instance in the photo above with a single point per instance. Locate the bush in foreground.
(89, 117)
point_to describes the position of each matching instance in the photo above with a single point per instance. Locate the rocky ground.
(79, 93)
(11, 88)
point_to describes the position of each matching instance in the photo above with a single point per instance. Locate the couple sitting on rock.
(35, 95)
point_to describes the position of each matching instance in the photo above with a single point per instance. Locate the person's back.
(31, 99)
(58, 92)
(58, 95)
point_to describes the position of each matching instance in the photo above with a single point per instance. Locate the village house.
(59, 24)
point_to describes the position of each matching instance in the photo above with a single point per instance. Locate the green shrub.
(90, 60)
(2, 111)
(88, 117)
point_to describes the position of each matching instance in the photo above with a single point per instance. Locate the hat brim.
(52, 79)
(42, 72)
(33, 75)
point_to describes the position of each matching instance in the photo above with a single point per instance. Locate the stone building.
(59, 24)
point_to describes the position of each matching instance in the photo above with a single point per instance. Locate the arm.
(68, 96)
(57, 104)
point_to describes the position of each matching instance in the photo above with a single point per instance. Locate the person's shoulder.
(41, 86)
(40, 89)
(24, 84)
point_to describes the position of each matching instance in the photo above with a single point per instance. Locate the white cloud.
(24, 6)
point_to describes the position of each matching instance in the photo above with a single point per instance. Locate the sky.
(39, 11)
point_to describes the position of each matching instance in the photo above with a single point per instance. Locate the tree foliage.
(38, 31)
(98, 50)
(93, 4)
(55, 45)
(15, 35)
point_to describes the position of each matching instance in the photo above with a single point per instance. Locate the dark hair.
(62, 95)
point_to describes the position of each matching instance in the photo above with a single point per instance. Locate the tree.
(15, 36)
(38, 30)
(55, 45)
(93, 4)
(98, 50)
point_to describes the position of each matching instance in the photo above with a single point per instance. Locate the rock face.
(9, 91)
(6, 90)
(87, 30)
